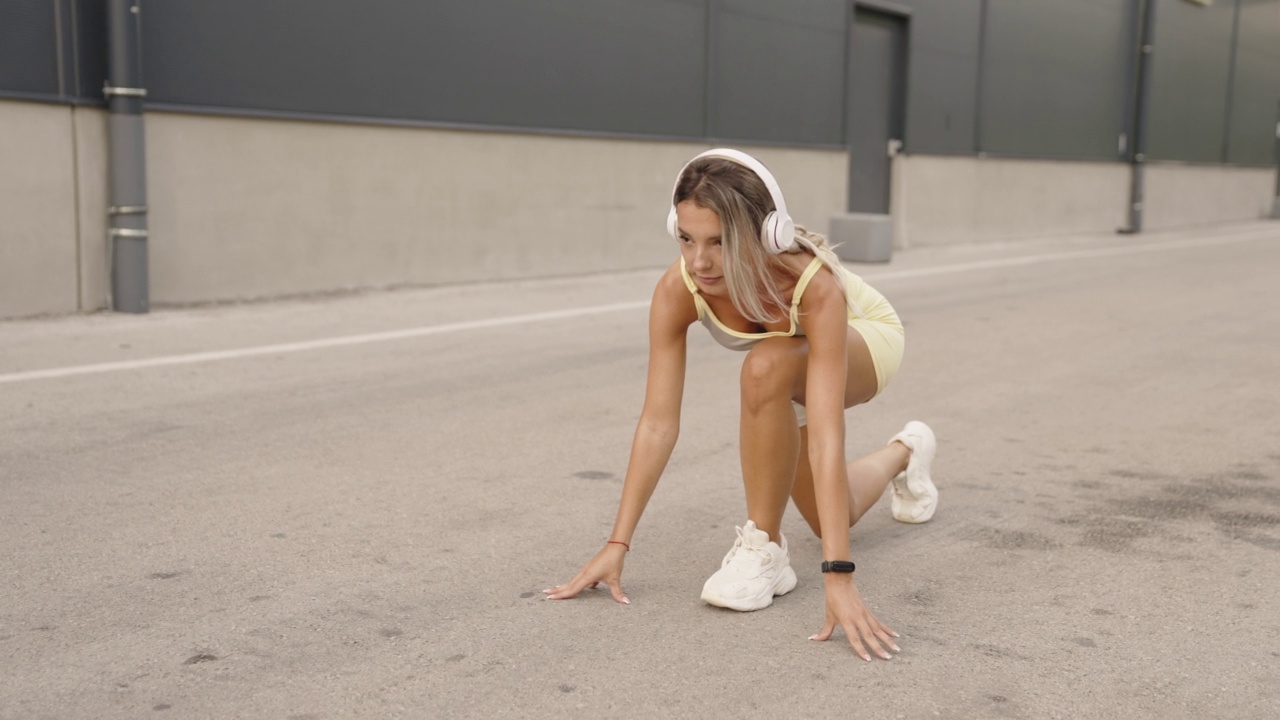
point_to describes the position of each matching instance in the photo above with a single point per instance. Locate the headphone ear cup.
(672, 223)
(786, 234)
(778, 233)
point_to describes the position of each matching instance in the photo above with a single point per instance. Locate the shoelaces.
(746, 557)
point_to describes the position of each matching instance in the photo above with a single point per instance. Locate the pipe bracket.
(127, 233)
(127, 210)
(108, 89)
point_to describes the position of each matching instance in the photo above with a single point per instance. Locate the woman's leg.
(869, 475)
(772, 374)
(755, 571)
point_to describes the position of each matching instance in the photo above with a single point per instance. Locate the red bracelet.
(619, 542)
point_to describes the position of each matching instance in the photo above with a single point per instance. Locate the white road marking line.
(445, 328)
(1066, 255)
(316, 344)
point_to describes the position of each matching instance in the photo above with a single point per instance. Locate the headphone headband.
(778, 231)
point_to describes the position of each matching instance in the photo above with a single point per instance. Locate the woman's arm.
(669, 318)
(824, 318)
(670, 315)
(825, 321)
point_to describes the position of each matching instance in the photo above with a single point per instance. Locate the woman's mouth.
(708, 280)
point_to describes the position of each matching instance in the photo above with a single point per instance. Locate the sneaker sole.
(786, 583)
(904, 510)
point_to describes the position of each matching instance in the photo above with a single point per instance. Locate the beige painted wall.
(38, 264)
(1179, 195)
(249, 208)
(939, 200)
(244, 208)
(91, 172)
(958, 200)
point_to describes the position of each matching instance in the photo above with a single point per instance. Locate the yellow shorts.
(878, 324)
(880, 329)
(887, 342)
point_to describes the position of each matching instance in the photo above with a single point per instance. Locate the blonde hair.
(739, 197)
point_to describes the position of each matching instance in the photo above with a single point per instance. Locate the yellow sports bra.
(735, 340)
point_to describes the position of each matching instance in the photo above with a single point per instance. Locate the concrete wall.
(1179, 195)
(954, 200)
(250, 208)
(38, 255)
(244, 208)
(951, 200)
(91, 175)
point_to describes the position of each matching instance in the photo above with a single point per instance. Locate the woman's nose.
(700, 258)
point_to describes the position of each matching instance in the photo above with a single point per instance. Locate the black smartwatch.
(840, 566)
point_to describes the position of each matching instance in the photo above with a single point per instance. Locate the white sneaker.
(755, 570)
(915, 497)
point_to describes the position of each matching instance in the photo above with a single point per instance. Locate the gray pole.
(983, 13)
(1275, 204)
(1142, 102)
(127, 176)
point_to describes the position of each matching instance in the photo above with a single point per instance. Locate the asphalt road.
(347, 506)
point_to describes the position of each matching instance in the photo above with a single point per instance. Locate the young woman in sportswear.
(818, 340)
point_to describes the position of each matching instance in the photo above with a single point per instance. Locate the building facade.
(296, 147)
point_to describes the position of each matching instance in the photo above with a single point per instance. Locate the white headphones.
(778, 231)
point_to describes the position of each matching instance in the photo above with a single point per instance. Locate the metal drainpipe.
(127, 174)
(1275, 204)
(1138, 149)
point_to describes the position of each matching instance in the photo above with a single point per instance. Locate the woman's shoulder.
(673, 278)
(806, 268)
(819, 283)
(672, 295)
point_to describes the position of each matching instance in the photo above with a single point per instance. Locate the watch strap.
(837, 566)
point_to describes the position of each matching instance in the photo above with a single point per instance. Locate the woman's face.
(699, 231)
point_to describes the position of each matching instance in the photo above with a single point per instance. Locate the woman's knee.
(769, 373)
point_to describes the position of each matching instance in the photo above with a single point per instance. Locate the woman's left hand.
(845, 608)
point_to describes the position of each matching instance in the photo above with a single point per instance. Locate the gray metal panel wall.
(29, 46)
(86, 48)
(607, 65)
(942, 76)
(1055, 78)
(1255, 96)
(54, 50)
(1190, 76)
(778, 71)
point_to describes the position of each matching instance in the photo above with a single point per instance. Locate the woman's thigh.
(785, 360)
(860, 384)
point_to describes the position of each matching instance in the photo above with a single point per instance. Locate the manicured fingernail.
(894, 634)
(626, 600)
(896, 648)
(813, 637)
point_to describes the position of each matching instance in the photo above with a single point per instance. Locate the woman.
(818, 340)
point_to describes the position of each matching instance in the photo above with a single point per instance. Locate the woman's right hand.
(605, 567)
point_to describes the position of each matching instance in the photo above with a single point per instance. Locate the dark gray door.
(877, 84)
